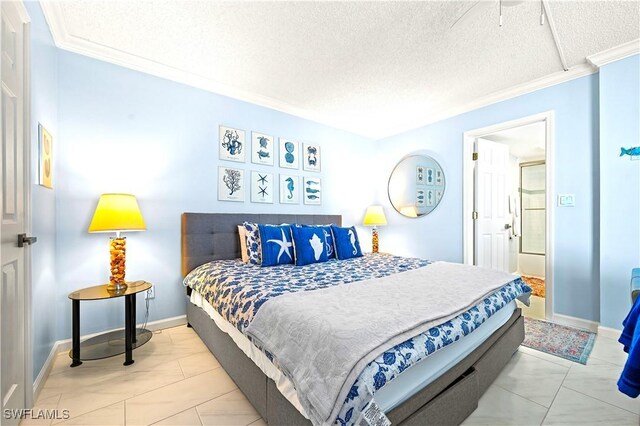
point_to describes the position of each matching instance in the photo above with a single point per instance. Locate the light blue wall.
(439, 235)
(125, 131)
(44, 110)
(619, 186)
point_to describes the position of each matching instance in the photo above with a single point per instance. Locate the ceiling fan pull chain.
(541, 13)
(500, 13)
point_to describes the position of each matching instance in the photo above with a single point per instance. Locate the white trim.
(467, 191)
(615, 53)
(574, 322)
(554, 35)
(38, 383)
(28, 323)
(609, 333)
(65, 345)
(54, 16)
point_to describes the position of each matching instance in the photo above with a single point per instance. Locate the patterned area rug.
(536, 284)
(566, 342)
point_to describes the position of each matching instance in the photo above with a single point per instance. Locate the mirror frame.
(444, 190)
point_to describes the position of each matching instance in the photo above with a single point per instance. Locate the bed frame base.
(446, 401)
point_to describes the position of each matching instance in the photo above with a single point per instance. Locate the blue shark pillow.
(310, 244)
(277, 244)
(331, 251)
(252, 237)
(346, 242)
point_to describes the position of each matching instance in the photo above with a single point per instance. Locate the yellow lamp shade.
(117, 212)
(375, 216)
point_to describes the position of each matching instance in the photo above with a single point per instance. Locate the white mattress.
(393, 393)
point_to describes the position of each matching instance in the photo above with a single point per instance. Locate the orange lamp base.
(117, 251)
(374, 240)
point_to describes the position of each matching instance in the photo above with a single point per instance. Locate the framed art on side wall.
(230, 184)
(262, 149)
(262, 187)
(45, 154)
(231, 145)
(311, 157)
(289, 189)
(312, 191)
(289, 155)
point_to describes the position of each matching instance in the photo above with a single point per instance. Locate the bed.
(443, 391)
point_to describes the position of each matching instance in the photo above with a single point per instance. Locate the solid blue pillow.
(346, 242)
(277, 244)
(310, 245)
(330, 247)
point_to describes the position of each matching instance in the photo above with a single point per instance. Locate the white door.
(491, 205)
(12, 208)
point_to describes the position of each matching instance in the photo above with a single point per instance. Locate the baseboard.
(575, 322)
(38, 383)
(610, 333)
(65, 345)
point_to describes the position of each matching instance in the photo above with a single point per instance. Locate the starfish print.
(262, 191)
(262, 179)
(284, 246)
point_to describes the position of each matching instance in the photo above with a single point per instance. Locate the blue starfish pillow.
(326, 229)
(277, 244)
(310, 244)
(346, 241)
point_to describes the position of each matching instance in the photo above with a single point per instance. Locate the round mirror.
(416, 185)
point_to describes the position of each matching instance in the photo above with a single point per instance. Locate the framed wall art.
(45, 160)
(230, 184)
(231, 144)
(312, 191)
(289, 154)
(262, 149)
(262, 187)
(311, 161)
(289, 189)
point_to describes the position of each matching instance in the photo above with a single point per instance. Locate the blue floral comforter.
(237, 290)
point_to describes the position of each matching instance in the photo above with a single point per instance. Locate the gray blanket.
(323, 339)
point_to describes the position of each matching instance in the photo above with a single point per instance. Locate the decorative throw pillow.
(346, 242)
(310, 244)
(243, 243)
(330, 247)
(254, 249)
(277, 245)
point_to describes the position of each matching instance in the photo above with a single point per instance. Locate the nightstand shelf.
(114, 342)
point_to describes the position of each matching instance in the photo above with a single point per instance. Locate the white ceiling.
(525, 142)
(373, 68)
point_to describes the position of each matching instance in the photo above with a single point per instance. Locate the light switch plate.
(566, 200)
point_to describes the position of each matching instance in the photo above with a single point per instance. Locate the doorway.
(508, 193)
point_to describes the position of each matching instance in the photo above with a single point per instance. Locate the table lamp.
(117, 213)
(374, 217)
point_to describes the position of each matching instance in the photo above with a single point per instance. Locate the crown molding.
(63, 40)
(615, 53)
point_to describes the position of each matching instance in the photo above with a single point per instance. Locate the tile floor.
(176, 381)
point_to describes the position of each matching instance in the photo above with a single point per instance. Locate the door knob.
(507, 226)
(23, 240)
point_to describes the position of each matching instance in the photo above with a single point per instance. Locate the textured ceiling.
(374, 68)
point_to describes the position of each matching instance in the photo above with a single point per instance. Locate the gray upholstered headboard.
(214, 236)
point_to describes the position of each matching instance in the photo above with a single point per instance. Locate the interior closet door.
(491, 205)
(12, 209)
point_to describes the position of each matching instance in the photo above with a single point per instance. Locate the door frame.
(468, 138)
(26, 166)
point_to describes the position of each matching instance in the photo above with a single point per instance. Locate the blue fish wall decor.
(631, 152)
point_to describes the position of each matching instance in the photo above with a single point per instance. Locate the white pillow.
(243, 243)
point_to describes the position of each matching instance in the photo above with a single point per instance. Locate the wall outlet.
(150, 294)
(566, 200)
